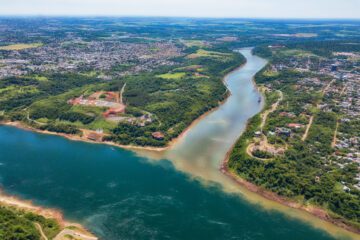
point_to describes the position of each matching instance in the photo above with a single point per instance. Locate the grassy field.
(193, 43)
(12, 91)
(296, 52)
(204, 53)
(176, 75)
(40, 78)
(269, 73)
(20, 46)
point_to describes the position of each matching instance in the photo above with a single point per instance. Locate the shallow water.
(120, 194)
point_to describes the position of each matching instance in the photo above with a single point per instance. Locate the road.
(76, 235)
(121, 94)
(272, 109)
(307, 129)
(39, 228)
(333, 143)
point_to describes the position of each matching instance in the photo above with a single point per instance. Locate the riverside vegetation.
(19, 224)
(171, 73)
(320, 161)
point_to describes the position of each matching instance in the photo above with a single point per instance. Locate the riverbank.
(169, 145)
(28, 206)
(199, 154)
(73, 137)
(313, 210)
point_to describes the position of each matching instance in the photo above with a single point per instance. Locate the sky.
(348, 9)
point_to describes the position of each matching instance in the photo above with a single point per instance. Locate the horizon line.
(185, 17)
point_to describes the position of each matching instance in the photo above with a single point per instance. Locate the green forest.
(20, 225)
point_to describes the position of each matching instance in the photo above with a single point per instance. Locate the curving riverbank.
(313, 210)
(316, 211)
(28, 206)
(168, 146)
(114, 187)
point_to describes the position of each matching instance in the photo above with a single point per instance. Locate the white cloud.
(192, 8)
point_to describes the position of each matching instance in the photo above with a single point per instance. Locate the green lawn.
(176, 75)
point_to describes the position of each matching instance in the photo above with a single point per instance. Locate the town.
(103, 59)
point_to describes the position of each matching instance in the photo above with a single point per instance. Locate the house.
(257, 134)
(158, 135)
(346, 189)
(295, 125)
(287, 114)
(334, 68)
(283, 131)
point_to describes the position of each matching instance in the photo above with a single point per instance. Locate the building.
(283, 131)
(295, 125)
(158, 135)
(334, 68)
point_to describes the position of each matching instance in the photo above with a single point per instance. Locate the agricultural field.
(20, 46)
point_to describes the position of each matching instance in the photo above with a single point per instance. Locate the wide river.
(177, 194)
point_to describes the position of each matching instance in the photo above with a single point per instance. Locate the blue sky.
(189, 8)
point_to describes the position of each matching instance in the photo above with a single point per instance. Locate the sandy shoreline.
(25, 205)
(315, 211)
(56, 214)
(169, 145)
(73, 137)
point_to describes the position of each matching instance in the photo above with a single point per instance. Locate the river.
(177, 194)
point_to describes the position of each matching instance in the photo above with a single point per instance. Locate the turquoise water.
(121, 196)
(177, 194)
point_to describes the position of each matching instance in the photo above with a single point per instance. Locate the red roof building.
(158, 135)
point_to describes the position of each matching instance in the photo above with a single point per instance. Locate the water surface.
(120, 194)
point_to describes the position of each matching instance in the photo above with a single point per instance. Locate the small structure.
(270, 133)
(295, 125)
(346, 189)
(257, 134)
(158, 135)
(287, 114)
(276, 46)
(334, 68)
(283, 131)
